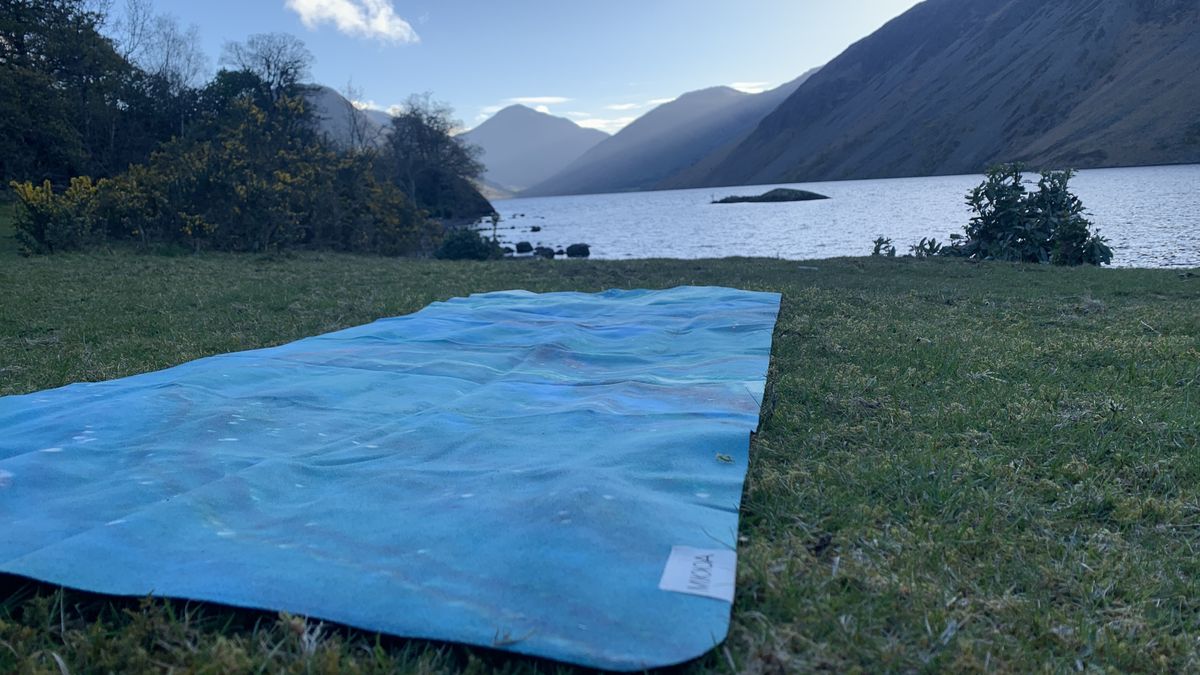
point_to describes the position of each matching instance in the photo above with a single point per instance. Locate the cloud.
(578, 114)
(539, 100)
(659, 101)
(751, 87)
(372, 19)
(624, 106)
(610, 125)
(543, 109)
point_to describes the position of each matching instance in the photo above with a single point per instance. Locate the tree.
(131, 33)
(422, 134)
(361, 136)
(174, 54)
(110, 139)
(280, 60)
(433, 165)
(61, 85)
(1046, 226)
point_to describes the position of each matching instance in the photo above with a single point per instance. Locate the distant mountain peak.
(522, 146)
(518, 110)
(721, 91)
(668, 140)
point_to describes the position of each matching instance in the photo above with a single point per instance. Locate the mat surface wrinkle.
(508, 464)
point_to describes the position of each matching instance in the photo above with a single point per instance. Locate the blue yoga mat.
(556, 475)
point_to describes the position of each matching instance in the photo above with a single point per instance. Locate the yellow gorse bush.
(47, 222)
(261, 183)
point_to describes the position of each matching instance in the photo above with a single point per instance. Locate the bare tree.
(358, 130)
(281, 60)
(131, 31)
(174, 53)
(100, 9)
(160, 46)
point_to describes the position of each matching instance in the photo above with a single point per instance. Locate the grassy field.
(8, 245)
(963, 467)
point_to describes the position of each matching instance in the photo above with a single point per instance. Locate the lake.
(1151, 216)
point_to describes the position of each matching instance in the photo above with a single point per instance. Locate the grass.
(8, 244)
(962, 467)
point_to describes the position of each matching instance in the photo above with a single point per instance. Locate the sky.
(601, 64)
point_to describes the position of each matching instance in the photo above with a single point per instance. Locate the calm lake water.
(1151, 216)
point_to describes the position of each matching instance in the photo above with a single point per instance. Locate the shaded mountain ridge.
(672, 138)
(523, 147)
(953, 86)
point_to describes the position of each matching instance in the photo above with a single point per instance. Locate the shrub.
(47, 222)
(926, 248)
(1043, 227)
(883, 247)
(467, 244)
(258, 180)
(130, 206)
(1060, 213)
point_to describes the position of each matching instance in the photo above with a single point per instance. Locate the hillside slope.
(333, 116)
(952, 86)
(523, 147)
(668, 140)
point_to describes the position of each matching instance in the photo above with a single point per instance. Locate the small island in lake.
(776, 195)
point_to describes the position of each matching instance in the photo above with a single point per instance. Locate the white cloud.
(624, 106)
(543, 109)
(611, 125)
(751, 87)
(659, 101)
(539, 100)
(373, 19)
(577, 114)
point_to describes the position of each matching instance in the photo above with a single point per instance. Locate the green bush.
(883, 247)
(1060, 213)
(46, 222)
(1013, 224)
(263, 183)
(467, 244)
(926, 248)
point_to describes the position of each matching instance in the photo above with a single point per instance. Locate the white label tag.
(697, 571)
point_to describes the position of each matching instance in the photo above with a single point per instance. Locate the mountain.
(333, 114)
(523, 147)
(952, 86)
(669, 139)
(379, 117)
